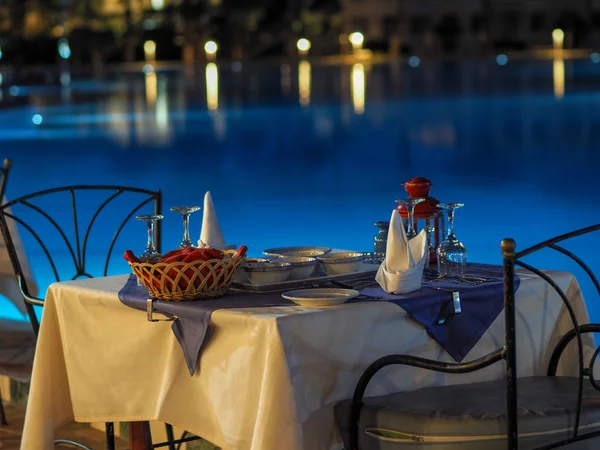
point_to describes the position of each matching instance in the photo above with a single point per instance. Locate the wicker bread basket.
(179, 281)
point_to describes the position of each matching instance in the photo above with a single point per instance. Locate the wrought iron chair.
(76, 248)
(78, 252)
(4, 170)
(3, 179)
(549, 412)
(17, 342)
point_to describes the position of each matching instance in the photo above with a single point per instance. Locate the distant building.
(421, 26)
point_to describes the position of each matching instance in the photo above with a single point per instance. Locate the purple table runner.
(193, 317)
(481, 305)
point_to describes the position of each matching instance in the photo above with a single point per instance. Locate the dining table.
(267, 377)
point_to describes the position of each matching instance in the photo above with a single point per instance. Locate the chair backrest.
(512, 259)
(4, 170)
(65, 224)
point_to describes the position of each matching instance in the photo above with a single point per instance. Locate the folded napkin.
(402, 269)
(211, 234)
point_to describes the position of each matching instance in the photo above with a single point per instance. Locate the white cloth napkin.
(211, 234)
(401, 271)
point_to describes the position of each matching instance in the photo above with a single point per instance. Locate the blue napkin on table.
(481, 304)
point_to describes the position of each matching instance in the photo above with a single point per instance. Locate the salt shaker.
(380, 240)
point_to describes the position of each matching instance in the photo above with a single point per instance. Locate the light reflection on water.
(291, 161)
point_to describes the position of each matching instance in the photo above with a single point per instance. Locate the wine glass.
(185, 212)
(451, 253)
(410, 203)
(150, 251)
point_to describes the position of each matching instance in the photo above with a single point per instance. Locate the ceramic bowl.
(268, 272)
(242, 276)
(337, 263)
(302, 266)
(298, 251)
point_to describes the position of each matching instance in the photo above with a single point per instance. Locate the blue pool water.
(315, 154)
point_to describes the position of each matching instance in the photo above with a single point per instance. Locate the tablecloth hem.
(115, 419)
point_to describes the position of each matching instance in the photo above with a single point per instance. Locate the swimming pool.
(315, 153)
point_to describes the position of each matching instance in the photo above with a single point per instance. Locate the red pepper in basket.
(190, 255)
(180, 252)
(130, 256)
(202, 254)
(241, 252)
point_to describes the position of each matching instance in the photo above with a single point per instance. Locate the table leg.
(139, 436)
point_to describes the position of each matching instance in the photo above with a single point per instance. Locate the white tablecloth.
(268, 377)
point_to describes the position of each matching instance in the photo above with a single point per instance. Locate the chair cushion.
(474, 413)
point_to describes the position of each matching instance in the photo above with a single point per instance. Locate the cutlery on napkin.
(401, 271)
(211, 234)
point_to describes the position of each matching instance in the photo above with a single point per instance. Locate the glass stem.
(150, 225)
(186, 228)
(411, 219)
(450, 223)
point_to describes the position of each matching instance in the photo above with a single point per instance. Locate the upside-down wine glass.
(150, 251)
(451, 253)
(150, 220)
(410, 204)
(185, 212)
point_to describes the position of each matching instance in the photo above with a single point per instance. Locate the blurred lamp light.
(212, 86)
(304, 82)
(149, 24)
(414, 61)
(158, 4)
(148, 68)
(558, 73)
(210, 47)
(150, 47)
(37, 119)
(558, 38)
(58, 31)
(358, 88)
(64, 50)
(65, 79)
(0, 53)
(14, 90)
(558, 35)
(356, 39)
(501, 59)
(595, 57)
(303, 45)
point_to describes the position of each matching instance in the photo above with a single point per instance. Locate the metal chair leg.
(170, 436)
(110, 436)
(68, 443)
(2, 413)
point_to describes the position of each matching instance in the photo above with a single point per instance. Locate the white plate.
(320, 297)
(297, 251)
